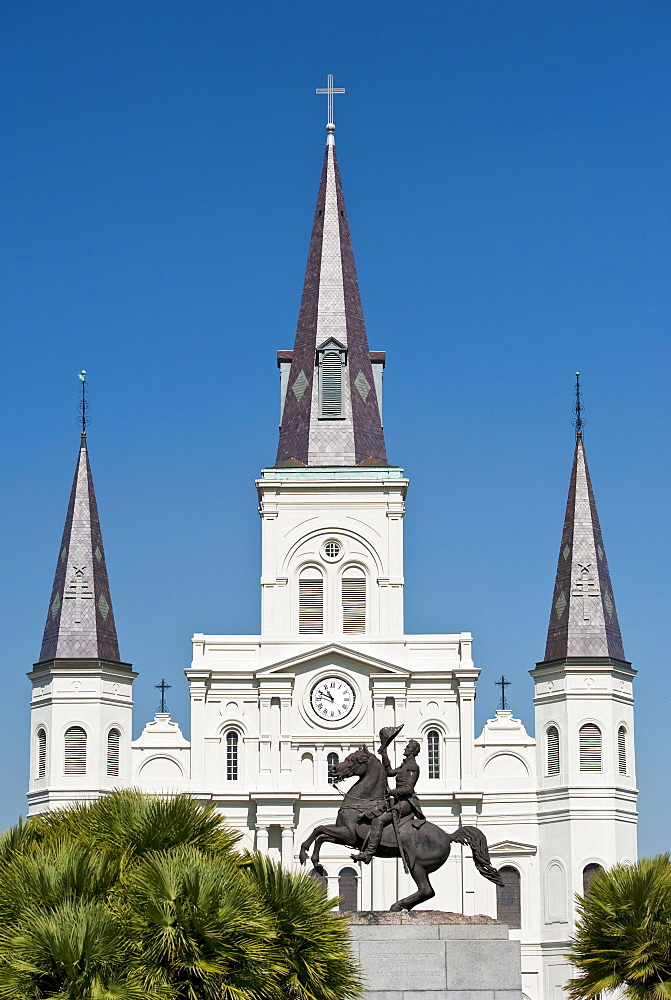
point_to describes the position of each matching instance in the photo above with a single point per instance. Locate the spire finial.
(330, 90)
(577, 407)
(83, 418)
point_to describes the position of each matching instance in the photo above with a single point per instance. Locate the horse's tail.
(476, 840)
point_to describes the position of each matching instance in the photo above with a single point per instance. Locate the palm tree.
(135, 897)
(623, 935)
(314, 943)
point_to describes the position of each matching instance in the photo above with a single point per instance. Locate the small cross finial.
(330, 90)
(163, 687)
(83, 418)
(577, 407)
(503, 684)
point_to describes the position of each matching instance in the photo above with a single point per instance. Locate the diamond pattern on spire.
(331, 307)
(80, 622)
(582, 586)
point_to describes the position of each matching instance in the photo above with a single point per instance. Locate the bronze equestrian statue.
(385, 823)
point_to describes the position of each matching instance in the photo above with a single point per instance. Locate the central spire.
(331, 409)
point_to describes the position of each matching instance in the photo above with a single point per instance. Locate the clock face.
(332, 699)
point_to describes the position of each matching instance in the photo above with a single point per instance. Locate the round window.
(332, 550)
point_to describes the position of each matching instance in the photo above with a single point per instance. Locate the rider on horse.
(401, 800)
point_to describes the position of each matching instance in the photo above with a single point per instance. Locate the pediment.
(331, 342)
(510, 847)
(372, 663)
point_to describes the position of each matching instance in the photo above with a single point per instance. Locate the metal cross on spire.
(163, 687)
(83, 402)
(503, 684)
(330, 90)
(577, 407)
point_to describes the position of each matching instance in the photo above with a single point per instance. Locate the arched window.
(347, 889)
(331, 761)
(330, 384)
(622, 749)
(433, 752)
(231, 755)
(509, 897)
(41, 753)
(588, 873)
(353, 600)
(589, 741)
(113, 753)
(553, 750)
(311, 603)
(75, 751)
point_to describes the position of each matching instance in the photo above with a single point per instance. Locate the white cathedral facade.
(333, 664)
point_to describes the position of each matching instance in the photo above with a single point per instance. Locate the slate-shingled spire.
(331, 311)
(583, 619)
(80, 620)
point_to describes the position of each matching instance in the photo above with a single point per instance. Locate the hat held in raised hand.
(388, 734)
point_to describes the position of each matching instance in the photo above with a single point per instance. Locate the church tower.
(343, 575)
(584, 725)
(81, 704)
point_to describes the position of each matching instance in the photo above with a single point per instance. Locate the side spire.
(583, 619)
(80, 621)
(331, 408)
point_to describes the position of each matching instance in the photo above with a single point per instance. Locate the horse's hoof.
(319, 870)
(302, 857)
(396, 908)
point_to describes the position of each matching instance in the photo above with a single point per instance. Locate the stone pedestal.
(432, 955)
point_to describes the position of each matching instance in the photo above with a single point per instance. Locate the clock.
(332, 699)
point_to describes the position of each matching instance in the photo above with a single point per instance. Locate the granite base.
(435, 955)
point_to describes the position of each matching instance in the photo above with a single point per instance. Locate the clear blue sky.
(506, 170)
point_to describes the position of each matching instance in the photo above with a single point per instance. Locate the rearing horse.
(425, 845)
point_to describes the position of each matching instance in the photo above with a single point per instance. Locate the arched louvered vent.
(311, 604)
(330, 384)
(231, 755)
(509, 897)
(354, 601)
(75, 751)
(622, 749)
(347, 890)
(41, 753)
(331, 761)
(588, 873)
(553, 750)
(589, 740)
(433, 752)
(113, 753)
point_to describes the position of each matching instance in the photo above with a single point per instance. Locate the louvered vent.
(330, 384)
(113, 753)
(41, 753)
(75, 751)
(354, 603)
(232, 755)
(433, 752)
(622, 749)
(311, 605)
(590, 747)
(553, 750)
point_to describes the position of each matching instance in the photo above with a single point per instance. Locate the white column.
(287, 847)
(261, 839)
(285, 735)
(264, 737)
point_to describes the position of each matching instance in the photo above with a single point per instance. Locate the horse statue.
(422, 846)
